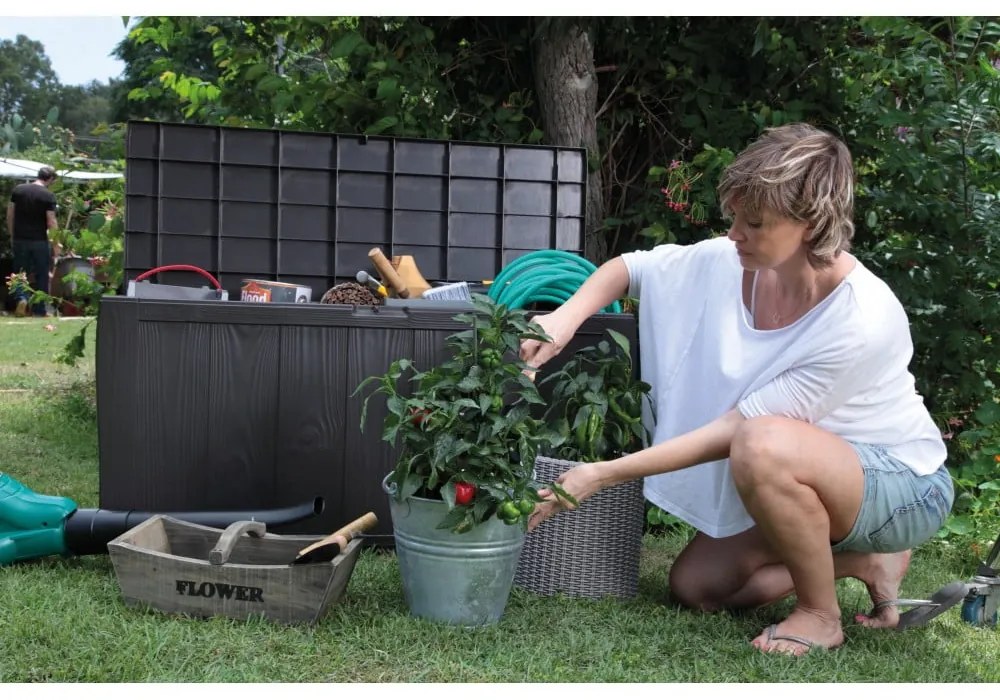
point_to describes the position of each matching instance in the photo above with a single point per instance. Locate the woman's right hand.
(536, 353)
(581, 482)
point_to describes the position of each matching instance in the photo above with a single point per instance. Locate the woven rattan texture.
(589, 552)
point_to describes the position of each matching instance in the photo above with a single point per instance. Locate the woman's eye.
(755, 224)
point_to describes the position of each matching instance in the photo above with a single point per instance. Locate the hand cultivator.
(979, 596)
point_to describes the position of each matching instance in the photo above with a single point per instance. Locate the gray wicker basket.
(589, 552)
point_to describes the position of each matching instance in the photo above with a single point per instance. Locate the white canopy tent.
(16, 169)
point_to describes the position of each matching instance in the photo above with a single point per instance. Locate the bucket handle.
(231, 535)
(189, 268)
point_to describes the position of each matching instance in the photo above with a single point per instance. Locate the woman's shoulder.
(872, 294)
(878, 315)
(708, 250)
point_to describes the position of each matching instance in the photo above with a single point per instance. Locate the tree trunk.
(566, 85)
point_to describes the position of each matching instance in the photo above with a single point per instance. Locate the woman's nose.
(735, 234)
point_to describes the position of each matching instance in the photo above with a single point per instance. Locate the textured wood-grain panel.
(170, 424)
(118, 372)
(242, 420)
(309, 448)
(367, 459)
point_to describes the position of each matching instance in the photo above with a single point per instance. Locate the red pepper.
(464, 492)
(419, 415)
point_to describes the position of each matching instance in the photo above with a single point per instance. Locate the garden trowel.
(331, 545)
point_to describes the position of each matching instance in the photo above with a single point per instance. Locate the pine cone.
(351, 293)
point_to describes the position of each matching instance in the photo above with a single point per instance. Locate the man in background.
(30, 215)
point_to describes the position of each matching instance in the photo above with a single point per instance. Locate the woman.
(788, 430)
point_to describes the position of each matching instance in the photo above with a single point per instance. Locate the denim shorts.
(899, 509)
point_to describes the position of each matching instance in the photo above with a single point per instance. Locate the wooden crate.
(167, 564)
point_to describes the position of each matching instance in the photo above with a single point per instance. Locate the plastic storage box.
(225, 405)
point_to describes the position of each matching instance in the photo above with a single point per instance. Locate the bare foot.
(801, 631)
(885, 573)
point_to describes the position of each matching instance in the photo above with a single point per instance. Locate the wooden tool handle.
(388, 272)
(329, 546)
(231, 535)
(365, 522)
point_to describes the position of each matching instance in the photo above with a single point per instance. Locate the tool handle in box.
(231, 535)
(356, 527)
(388, 273)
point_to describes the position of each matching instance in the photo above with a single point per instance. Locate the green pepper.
(581, 433)
(620, 412)
(490, 358)
(508, 510)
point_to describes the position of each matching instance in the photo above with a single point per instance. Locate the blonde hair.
(802, 173)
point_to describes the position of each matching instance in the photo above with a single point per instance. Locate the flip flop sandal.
(772, 637)
(925, 610)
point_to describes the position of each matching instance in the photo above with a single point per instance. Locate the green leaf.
(95, 221)
(621, 341)
(381, 125)
(959, 524)
(256, 71)
(346, 45)
(388, 89)
(454, 518)
(988, 413)
(271, 83)
(411, 483)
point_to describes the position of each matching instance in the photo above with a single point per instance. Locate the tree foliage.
(28, 85)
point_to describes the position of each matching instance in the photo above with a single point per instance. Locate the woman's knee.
(757, 451)
(692, 589)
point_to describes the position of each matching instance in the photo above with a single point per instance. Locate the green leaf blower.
(33, 525)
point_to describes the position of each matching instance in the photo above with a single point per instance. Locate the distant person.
(30, 215)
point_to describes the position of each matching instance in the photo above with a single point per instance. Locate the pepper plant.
(466, 426)
(596, 403)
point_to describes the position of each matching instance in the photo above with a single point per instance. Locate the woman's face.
(766, 240)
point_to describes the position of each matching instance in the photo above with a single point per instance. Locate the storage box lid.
(307, 207)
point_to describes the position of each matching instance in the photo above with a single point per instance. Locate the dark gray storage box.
(230, 405)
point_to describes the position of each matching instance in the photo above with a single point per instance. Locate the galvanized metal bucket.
(458, 579)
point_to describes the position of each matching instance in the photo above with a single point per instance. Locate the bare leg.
(803, 487)
(881, 573)
(741, 572)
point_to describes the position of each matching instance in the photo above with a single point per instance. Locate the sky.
(78, 47)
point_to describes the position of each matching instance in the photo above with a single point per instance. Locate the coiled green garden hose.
(543, 276)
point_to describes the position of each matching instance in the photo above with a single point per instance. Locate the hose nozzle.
(364, 278)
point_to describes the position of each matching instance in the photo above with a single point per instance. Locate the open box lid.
(307, 207)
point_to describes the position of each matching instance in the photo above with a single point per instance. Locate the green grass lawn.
(62, 619)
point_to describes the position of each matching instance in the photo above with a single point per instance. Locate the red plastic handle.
(189, 268)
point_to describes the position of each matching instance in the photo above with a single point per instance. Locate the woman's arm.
(705, 444)
(609, 282)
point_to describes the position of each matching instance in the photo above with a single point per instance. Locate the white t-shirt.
(843, 366)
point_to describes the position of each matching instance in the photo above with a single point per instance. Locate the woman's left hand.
(580, 482)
